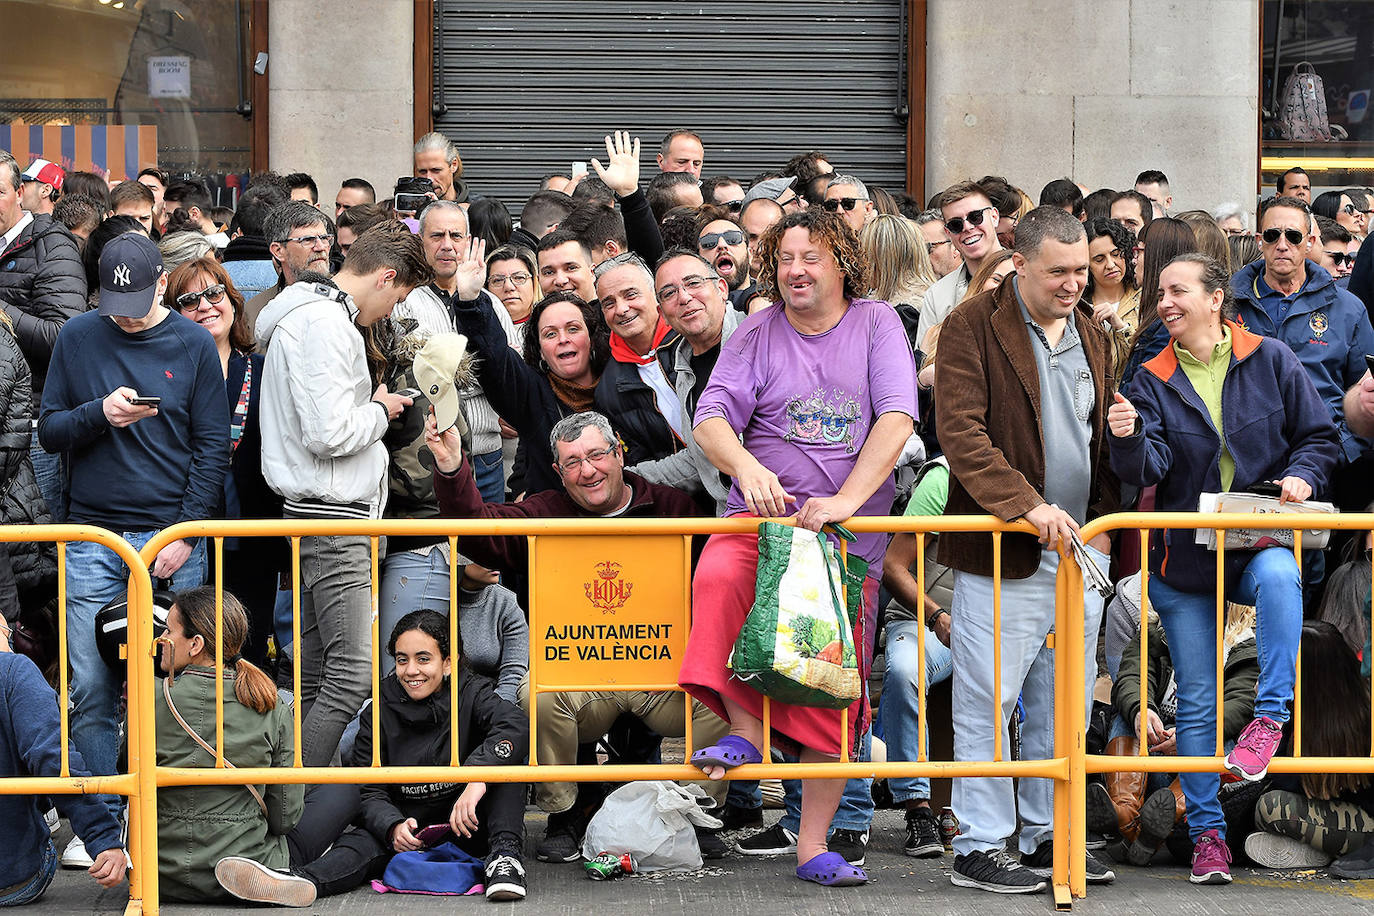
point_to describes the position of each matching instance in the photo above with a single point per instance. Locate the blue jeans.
(95, 577)
(47, 468)
(987, 807)
(899, 708)
(490, 474)
(410, 582)
(856, 805)
(1272, 584)
(38, 883)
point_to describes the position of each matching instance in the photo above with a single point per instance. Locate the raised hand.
(1121, 417)
(622, 173)
(472, 269)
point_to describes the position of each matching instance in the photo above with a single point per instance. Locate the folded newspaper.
(1256, 538)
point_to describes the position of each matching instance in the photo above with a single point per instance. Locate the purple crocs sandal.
(831, 870)
(729, 752)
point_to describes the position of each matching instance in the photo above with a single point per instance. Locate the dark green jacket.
(199, 825)
(1240, 675)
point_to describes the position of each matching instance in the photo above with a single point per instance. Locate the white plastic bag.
(652, 821)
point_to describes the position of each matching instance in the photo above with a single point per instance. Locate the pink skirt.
(722, 595)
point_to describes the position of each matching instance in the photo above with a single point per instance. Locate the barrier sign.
(609, 610)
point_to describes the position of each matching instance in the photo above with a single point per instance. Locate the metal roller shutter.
(531, 86)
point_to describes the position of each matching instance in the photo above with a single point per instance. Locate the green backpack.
(797, 644)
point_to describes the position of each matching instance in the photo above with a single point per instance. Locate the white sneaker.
(75, 855)
(1273, 851)
(52, 820)
(255, 882)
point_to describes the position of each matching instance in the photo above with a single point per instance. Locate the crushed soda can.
(608, 865)
(949, 827)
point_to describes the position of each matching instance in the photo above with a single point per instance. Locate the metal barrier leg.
(1073, 644)
(143, 744)
(1063, 803)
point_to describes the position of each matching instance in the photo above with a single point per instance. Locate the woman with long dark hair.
(1112, 289)
(1160, 242)
(1307, 820)
(566, 347)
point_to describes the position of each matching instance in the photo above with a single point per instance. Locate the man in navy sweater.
(135, 400)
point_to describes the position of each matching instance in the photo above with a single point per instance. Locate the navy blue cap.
(129, 267)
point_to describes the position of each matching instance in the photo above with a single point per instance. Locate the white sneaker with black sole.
(505, 879)
(1273, 851)
(775, 841)
(256, 883)
(996, 871)
(75, 855)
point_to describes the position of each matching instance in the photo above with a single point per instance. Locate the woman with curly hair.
(806, 411)
(1112, 289)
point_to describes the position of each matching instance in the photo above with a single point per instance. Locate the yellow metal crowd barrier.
(610, 610)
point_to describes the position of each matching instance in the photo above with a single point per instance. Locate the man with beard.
(723, 243)
(299, 242)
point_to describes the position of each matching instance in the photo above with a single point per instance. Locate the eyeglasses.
(712, 239)
(849, 203)
(310, 241)
(572, 465)
(1340, 258)
(211, 294)
(1271, 236)
(974, 218)
(519, 278)
(733, 205)
(931, 246)
(1349, 210)
(667, 295)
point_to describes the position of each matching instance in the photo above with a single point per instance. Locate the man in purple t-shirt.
(807, 410)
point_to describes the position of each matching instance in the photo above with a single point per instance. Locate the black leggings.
(338, 857)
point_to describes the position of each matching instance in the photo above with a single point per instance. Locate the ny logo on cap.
(121, 275)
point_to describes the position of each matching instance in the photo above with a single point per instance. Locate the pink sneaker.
(1249, 759)
(1211, 860)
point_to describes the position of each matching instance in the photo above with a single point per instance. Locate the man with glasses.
(723, 191)
(634, 390)
(971, 223)
(1289, 296)
(944, 257)
(846, 195)
(1334, 254)
(135, 399)
(692, 300)
(722, 241)
(298, 241)
(588, 459)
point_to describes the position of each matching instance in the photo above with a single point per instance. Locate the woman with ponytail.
(199, 825)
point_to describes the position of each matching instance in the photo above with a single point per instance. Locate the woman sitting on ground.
(1304, 821)
(1220, 410)
(415, 714)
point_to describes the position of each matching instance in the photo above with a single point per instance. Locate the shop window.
(115, 86)
(1318, 54)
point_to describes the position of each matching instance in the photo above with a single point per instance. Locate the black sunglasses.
(712, 239)
(733, 206)
(1271, 236)
(1340, 258)
(849, 203)
(211, 294)
(956, 225)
